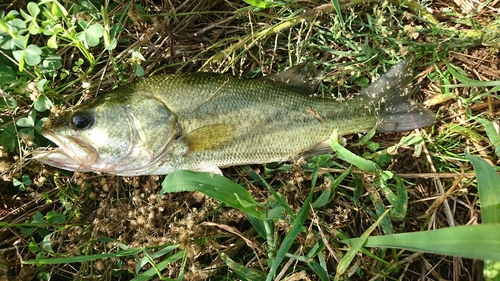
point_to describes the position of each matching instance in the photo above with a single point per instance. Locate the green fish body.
(205, 121)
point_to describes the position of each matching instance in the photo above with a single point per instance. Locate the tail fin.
(390, 94)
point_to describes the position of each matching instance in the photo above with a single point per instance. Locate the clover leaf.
(91, 34)
(30, 55)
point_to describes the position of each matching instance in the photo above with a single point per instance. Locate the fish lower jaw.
(70, 154)
(58, 158)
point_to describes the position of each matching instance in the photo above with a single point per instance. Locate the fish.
(208, 121)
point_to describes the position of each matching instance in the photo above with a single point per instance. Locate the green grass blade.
(345, 154)
(326, 196)
(65, 260)
(488, 184)
(213, 186)
(467, 241)
(243, 272)
(276, 196)
(152, 272)
(258, 225)
(398, 200)
(318, 269)
(336, 5)
(380, 210)
(492, 134)
(153, 256)
(297, 224)
(356, 247)
(290, 236)
(467, 82)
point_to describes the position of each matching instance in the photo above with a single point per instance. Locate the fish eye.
(82, 121)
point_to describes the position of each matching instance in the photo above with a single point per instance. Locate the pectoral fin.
(209, 137)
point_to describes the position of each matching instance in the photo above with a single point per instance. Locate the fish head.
(116, 133)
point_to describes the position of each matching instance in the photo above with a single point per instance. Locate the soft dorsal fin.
(304, 76)
(209, 137)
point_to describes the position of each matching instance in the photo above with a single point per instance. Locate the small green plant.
(48, 18)
(23, 183)
(264, 4)
(31, 69)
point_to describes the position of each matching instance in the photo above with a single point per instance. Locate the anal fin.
(210, 169)
(320, 148)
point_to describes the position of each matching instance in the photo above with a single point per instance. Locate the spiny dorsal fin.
(209, 137)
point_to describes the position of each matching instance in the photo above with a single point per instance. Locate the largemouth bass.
(206, 121)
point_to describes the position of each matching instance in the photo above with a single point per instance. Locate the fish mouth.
(71, 153)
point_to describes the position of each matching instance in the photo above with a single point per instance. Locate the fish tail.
(390, 95)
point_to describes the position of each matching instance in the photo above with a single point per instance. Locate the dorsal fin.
(304, 76)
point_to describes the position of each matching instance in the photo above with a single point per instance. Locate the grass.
(369, 213)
